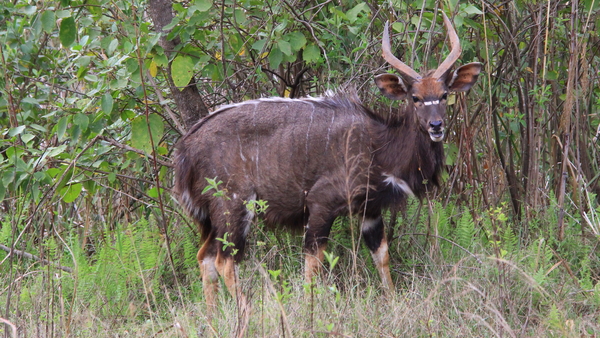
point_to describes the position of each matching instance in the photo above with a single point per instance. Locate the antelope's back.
(275, 150)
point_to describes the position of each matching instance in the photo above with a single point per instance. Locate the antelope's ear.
(391, 86)
(464, 77)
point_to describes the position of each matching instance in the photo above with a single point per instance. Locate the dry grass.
(471, 298)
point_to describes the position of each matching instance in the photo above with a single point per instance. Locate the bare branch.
(27, 255)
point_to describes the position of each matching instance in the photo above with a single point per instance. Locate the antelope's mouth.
(436, 135)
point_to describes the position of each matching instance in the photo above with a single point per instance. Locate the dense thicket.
(93, 98)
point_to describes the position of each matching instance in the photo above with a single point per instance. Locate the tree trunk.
(188, 100)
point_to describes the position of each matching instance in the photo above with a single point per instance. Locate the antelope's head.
(428, 93)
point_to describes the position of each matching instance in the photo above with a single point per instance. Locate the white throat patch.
(398, 183)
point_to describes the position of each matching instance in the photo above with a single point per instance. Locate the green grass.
(475, 278)
(465, 299)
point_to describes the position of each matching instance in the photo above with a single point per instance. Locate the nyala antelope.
(314, 159)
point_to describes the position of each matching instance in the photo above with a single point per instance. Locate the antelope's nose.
(436, 125)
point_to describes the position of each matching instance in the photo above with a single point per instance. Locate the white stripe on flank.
(249, 217)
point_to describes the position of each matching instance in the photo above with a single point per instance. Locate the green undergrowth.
(457, 273)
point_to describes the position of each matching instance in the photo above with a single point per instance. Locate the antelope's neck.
(408, 159)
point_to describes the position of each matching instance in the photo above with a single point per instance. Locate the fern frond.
(465, 230)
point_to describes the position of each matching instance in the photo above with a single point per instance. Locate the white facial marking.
(398, 183)
(430, 103)
(437, 138)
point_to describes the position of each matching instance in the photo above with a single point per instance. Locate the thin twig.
(129, 148)
(274, 294)
(162, 101)
(27, 255)
(12, 326)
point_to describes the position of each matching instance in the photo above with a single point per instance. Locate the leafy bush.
(89, 115)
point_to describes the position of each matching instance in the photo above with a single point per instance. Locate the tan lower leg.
(210, 279)
(228, 270)
(313, 263)
(381, 258)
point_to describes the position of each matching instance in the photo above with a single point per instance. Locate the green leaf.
(552, 75)
(201, 5)
(153, 192)
(8, 177)
(471, 9)
(587, 4)
(140, 138)
(259, 45)
(182, 70)
(338, 13)
(275, 58)
(2, 192)
(83, 61)
(15, 131)
(398, 27)
(112, 46)
(30, 100)
(27, 137)
(451, 151)
(68, 31)
(28, 10)
(297, 40)
(55, 151)
(240, 16)
(284, 47)
(61, 14)
(352, 14)
(61, 127)
(48, 21)
(311, 53)
(458, 21)
(173, 23)
(107, 103)
(98, 123)
(71, 192)
(161, 59)
(82, 121)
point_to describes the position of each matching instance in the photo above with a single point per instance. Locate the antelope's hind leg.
(316, 236)
(232, 224)
(208, 270)
(373, 232)
(228, 225)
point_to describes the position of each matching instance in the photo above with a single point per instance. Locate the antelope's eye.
(445, 96)
(416, 99)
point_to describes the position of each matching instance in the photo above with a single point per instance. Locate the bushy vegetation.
(93, 98)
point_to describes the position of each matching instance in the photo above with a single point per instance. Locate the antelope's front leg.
(374, 234)
(315, 242)
(313, 262)
(227, 268)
